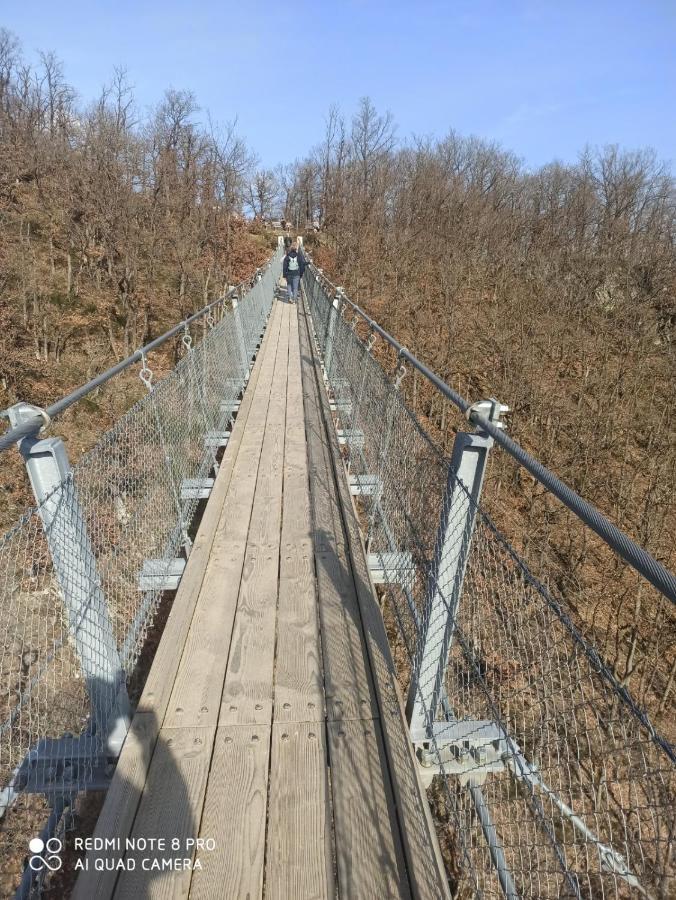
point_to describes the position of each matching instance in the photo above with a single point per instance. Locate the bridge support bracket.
(60, 766)
(469, 749)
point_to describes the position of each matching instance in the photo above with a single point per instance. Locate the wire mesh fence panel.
(583, 766)
(39, 671)
(552, 781)
(81, 576)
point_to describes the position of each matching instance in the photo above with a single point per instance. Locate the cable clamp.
(146, 374)
(187, 339)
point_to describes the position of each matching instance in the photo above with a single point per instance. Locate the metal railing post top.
(22, 412)
(24, 417)
(490, 409)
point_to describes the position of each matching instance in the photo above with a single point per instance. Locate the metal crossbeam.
(390, 568)
(161, 574)
(216, 439)
(230, 406)
(364, 485)
(196, 488)
(341, 407)
(352, 437)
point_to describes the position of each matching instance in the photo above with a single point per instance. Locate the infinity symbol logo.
(45, 855)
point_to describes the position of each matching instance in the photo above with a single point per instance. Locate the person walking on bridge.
(294, 266)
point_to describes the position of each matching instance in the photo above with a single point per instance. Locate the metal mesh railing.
(81, 575)
(553, 781)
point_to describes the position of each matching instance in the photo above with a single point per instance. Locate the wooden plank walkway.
(271, 728)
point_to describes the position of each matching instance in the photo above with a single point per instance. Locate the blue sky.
(542, 78)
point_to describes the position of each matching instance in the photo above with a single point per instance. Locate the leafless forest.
(112, 228)
(552, 290)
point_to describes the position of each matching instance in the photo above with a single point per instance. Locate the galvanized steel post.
(76, 570)
(445, 582)
(241, 343)
(334, 312)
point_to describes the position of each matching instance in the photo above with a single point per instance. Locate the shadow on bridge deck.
(271, 728)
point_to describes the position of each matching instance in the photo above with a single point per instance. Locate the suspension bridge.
(360, 688)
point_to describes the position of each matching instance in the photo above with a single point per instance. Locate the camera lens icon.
(45, 854)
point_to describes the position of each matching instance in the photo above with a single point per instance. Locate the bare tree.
(263, 193)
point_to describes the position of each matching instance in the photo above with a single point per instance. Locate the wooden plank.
(247, 691)
(160, 680)
(348, 687)
(234, 815)
(425, 865)
(369, 857)
(117, 816)
(170, 809)
(299, 852)
(368, 846)
(196, 697)
(121, 803)
(299, 689)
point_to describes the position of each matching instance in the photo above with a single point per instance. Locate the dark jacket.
(292, 254)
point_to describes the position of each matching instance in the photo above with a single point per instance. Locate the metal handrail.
(14, 435)
(631, 552)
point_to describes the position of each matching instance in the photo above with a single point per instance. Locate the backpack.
(293, 265)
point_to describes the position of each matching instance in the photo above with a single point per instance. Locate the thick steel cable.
(631, 552)
(527, 634)
(14, 435)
